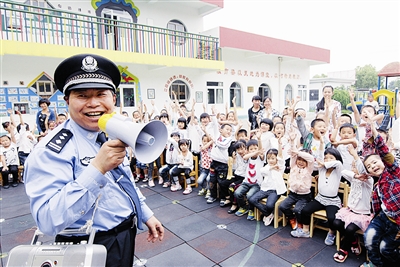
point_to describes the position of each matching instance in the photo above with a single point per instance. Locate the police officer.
(69, 175)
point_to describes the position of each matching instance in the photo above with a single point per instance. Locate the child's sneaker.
(188, 190)
(176, 187)
(293, 223)
(208, 193)
(166, 184)
(211, 200)
(160, 180)
(137, 179)
(299, 232)
(151, 183)
(202, 192)
(241, 212)
(268, 219)
(250, 216)
(330, 239)
(145, 179)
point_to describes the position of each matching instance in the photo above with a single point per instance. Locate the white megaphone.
(147, 140)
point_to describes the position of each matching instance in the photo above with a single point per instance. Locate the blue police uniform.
(66, 191)
(64, 186)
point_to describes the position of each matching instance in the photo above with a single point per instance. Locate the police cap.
(87, 71)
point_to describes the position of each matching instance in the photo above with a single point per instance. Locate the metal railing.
(25, 23)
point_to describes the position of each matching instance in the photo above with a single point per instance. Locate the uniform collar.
(78, 130)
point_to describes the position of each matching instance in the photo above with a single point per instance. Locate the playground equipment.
(384, 97)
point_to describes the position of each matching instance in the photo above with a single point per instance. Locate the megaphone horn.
(146, 139)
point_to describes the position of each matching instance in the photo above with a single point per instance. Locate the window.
(215, 93)
(44, 89)
(128, 96)
(235, 90)
(302, 92)
(314, 95)
(181, 91)
(288, 93)
(21, 107)
(264, 91)
(14, 20)
(178, 32)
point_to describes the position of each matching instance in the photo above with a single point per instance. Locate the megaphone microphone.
(146, 139)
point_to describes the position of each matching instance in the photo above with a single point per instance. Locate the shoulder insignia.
(58, 142)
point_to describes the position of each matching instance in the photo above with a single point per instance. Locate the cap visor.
(90, 86)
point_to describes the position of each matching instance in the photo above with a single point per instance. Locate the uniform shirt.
(10, 154)
(63, 187)
(386, 195)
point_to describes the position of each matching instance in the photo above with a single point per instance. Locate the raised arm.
(356, 113)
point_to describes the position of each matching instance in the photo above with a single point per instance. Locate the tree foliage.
(367, 77)
(322, 75)
(393, 84)
(341, 94)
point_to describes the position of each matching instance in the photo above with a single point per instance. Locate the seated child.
(204, 176)
(299, 185)
(272, 186)
(185, 165)
(382, 235)
(240, 172)
(171, 158)
(357, 214)
(251, 183)
(219, 163)
(9, 159)
(330, 172)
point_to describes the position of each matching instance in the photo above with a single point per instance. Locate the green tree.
(393, 84)
(320, 75)
(367, 77)
(341, 94)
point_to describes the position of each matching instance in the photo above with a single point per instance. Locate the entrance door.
(113, 19)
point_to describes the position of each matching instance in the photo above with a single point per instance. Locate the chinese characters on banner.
(261, 74)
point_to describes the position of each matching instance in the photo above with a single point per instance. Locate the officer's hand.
(156, 230)
(111, 154)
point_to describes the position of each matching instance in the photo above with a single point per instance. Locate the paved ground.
(197, 234)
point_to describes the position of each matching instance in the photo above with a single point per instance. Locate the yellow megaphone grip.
(103, 121)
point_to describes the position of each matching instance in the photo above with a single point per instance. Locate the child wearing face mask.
(330, 173)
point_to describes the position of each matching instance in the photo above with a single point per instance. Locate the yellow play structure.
(391, 98)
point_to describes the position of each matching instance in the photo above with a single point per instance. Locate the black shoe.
(233, 211)
(6, 186)
(14, 185)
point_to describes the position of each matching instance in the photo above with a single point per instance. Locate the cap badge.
(89, 64)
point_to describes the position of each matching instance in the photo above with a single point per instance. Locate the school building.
(159, 46)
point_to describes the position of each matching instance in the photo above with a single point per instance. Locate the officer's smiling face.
(87, 105)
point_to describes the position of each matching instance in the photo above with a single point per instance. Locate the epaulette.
(59, 140)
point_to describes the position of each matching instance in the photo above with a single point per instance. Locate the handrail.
(22, 22)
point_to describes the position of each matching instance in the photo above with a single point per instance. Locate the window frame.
(235, 89)
(183, 89)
